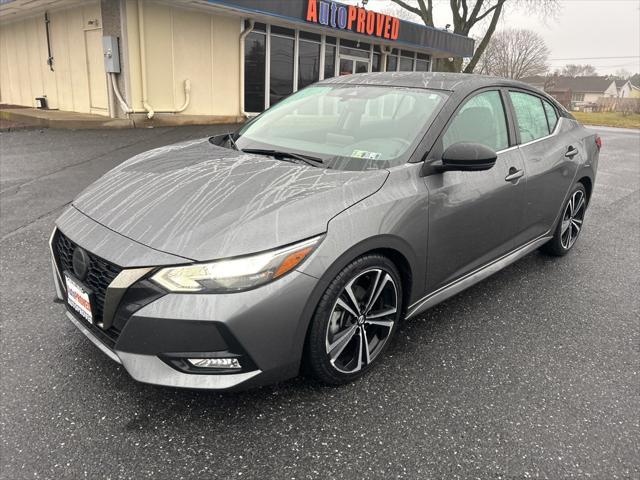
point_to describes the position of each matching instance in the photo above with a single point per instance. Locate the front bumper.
(264, 328)
(151, 369)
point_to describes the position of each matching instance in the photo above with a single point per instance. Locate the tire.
(570, 224)
(340, 328)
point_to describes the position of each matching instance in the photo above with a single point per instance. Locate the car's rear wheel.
(355, 319)
(570, 224)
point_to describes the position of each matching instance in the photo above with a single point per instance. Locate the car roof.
(454, 82)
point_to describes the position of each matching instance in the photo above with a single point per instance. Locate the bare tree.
(469, 13)
(572, 70)
(514, 53)
(622, 74)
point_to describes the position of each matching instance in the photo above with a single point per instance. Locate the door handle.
(571, 152)
(514, 174)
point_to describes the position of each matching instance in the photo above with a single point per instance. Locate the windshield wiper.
(280, 155)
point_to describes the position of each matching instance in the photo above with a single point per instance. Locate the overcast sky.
(581, 31)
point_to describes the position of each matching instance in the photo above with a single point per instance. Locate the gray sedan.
(303, 239)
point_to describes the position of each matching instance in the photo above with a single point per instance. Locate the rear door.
(473, 216)
(551, 157)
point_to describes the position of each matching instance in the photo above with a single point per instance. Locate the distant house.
(577, 92)
(635, 92)
(624, 88)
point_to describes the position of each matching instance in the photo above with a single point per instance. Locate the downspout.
(143, 61)
(243, 35)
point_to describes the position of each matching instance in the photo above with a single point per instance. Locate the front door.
(474, 216)
(349, 65)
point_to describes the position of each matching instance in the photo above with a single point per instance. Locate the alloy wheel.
(572, 219)
(361, 320)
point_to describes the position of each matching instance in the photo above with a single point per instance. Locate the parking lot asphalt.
(532, 373)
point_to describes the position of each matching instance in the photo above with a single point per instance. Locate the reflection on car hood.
(204, 202)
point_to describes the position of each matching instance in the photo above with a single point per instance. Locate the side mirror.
(220, 140)
(467, 157)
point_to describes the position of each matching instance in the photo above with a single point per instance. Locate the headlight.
(236, 273)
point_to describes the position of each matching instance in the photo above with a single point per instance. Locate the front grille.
(101, 273)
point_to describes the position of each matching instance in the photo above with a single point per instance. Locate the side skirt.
(476, 276)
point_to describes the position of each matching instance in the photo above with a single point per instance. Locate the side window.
(552, 115)
(532, 121)
(480, 120)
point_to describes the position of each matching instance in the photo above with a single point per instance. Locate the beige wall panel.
(98, 96)
(192, 60)
(4, 68)
(15, 86)
(159, 56)
(61, 65)
(33, 57)
(226, 66)
(78, 60)
(6, 77)
(22, 52)
(183, 44)
(25, 73)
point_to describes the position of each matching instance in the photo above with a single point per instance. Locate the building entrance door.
(349, 65)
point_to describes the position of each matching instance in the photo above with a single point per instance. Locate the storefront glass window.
(376, 63)
(406, 61)
(308, 63)
(422, 65)
(392, 61)
(254, 72)
(329, 61)
(281, 68)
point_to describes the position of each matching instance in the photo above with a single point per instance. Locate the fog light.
(221, 363)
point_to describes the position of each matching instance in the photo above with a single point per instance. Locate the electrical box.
(111, 55)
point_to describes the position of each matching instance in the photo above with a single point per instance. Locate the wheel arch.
(390, 246)
(587, 183)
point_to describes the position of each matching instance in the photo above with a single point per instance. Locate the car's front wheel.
(570, 224)
(354, 320)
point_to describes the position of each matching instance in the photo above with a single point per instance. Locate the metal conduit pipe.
(114, 86)
(143, 61)
(243, 35)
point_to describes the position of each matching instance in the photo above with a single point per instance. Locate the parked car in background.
(305, 237)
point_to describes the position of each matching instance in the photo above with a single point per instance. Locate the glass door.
(346, 66)
(349, 65)
(361, 66)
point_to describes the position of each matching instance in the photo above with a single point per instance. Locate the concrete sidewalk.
(20, 118)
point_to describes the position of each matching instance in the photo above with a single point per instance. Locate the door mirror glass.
(465, 156)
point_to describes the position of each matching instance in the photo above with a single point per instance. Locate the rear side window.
(532, 121)
(552, 115)
(480, 120)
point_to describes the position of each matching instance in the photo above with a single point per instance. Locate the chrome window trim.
(555, 132)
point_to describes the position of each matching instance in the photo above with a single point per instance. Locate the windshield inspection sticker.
(366, 155)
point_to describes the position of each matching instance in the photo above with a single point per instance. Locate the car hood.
(203, 202)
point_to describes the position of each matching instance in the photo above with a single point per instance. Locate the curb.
(32, 118)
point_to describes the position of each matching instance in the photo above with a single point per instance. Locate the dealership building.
(219, 59)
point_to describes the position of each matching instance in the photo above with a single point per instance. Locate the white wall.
(78, 82)
(185, 44)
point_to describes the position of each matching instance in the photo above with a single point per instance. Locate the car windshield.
(347, 127)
